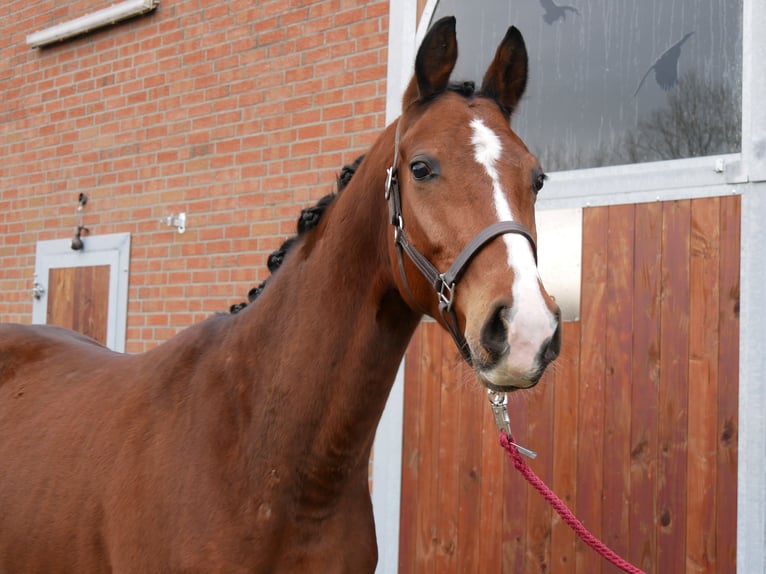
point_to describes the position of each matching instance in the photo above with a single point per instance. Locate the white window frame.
(742, 173)
(112, 250)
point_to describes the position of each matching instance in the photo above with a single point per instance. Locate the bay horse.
(242, 443)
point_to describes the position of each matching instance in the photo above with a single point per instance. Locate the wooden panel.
(410, 446)
(590, 437)
(78, 299)
(540, 438)
(635, 424)
(428, 477)
(674, 378)
(449, 437)
(565, 411)
(617, 377)
(645, 375)
(492, 494)
(61, 302)
(703, 386)
(469, 449)
(728, 387)
(515, 507)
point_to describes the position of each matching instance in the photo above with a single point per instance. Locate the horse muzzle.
(512, 351)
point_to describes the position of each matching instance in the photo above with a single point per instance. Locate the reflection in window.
(615, 82)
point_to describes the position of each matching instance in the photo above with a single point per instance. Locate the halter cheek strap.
(444, 284)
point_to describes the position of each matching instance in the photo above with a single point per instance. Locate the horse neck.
(329, 332)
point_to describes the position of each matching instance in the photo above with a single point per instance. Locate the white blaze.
(530, 321)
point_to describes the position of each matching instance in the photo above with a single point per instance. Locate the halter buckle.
(398, 229)
(446, 293)
(390, 175)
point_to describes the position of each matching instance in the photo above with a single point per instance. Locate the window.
(614, 82)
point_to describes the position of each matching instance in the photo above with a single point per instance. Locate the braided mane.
(308, 219)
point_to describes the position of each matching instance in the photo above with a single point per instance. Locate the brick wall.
(236, 112)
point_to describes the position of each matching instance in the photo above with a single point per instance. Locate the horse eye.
(540, 181)
(420, 170)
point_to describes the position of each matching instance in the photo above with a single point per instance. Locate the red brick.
(231, 112)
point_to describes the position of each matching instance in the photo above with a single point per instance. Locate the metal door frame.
(112, 250)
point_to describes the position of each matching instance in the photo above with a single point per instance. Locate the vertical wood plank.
(617, 382)
(428, 479)
(673, 397)
(92, 301)
(703, 385)
(590, 442)
(728, 386)
(469, 450)
(492, 494)
(410, 449)
(539, 513)
(448, 491)
(60, 309)
(645, 372)
(566, 388)
(514, 485)
(100, 311)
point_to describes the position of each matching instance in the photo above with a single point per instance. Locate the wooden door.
(635, 424)
(78, 299)
(84, 290)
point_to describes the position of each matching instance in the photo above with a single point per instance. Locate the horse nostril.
(494, 334)
(552, 346)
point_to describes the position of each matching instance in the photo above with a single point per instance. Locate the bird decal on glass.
(554, 12)
(666, 66)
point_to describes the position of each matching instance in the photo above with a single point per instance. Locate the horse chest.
(280, 532)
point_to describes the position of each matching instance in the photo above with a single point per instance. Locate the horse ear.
(506, 77)
(434, 63)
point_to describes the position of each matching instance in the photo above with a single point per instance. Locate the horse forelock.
(468, 90)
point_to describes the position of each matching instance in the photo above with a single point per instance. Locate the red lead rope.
(562, 509)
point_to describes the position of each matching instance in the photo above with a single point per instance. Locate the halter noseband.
(444, 284)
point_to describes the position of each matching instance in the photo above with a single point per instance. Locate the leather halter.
(444, 284)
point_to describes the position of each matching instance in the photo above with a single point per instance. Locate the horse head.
(462, 191)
